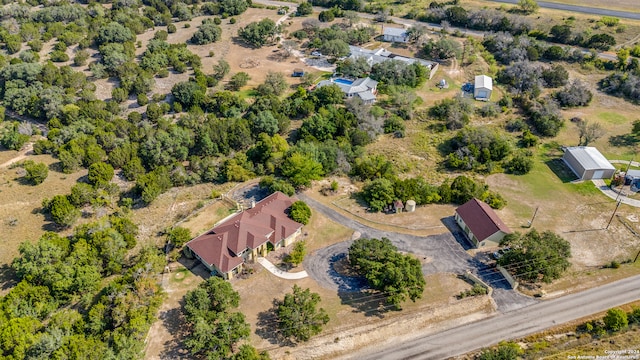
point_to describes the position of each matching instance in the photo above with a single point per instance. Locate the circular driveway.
(443, 253)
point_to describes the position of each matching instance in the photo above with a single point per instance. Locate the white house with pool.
(364, 88)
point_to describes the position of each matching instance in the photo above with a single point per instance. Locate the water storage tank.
(410, 206)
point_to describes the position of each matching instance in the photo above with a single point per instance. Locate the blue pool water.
(343, 81)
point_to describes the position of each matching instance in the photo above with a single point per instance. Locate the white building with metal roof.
(588, 163)
(391, 34)
(483, 87)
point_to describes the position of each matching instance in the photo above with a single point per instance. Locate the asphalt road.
(516, 324)
(438, 27)
(582, 9)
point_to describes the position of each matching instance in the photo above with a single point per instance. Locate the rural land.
(319, 179)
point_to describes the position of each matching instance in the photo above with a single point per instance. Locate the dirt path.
(27, 150)
(166, 334)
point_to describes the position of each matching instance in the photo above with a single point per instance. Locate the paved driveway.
(443, 253)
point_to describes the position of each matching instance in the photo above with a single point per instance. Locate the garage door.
(598, 174)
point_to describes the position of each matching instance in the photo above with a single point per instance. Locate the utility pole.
(614, 214)
(534, 217)
(625, 174)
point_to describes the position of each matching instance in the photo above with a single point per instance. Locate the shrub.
(59, 56)
(36, 172)
(520, 164)
(616, 319)
(300, 212)
(142, 99)
(178, 236)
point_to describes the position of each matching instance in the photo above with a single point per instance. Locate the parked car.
(498, 254)
(316, 53)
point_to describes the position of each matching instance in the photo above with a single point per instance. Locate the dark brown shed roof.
(481, 219)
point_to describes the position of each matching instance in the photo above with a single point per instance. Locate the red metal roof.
(267, 221)
(481, 219)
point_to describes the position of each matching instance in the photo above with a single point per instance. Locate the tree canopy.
(258, 34)
(536, 256)
(298, 317)
(397, 276)
(214, 329)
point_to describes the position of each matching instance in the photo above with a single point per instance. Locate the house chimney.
(253, 204)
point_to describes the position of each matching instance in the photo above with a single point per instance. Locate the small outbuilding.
(297, 72)
(390, 34)
(483, 87)
(410, 206)
(480, 223)
(588, 163)
(398, 206)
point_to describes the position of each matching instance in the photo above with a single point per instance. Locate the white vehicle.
(316, 53)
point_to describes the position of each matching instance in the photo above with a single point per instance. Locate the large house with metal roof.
(381, 55)
(480, 223)
(588, 163)
(225, 248)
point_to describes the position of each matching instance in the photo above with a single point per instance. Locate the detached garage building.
(480, 223)
(588, 163)
(483, 87)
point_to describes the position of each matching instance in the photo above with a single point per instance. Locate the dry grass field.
(20, 219)
(626, 5)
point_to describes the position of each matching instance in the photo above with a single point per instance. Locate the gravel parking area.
(443, 253)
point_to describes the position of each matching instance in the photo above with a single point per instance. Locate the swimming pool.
(343, 81)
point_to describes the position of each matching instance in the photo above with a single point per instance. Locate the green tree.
(100, 173)
(301, 169)
(215, 330)
(528, 6)
(305, 8)
(335, 48)
(616, 319)
(272, 184)
(537, 256)
(114, 33)
(378, 193)
(238, 80)
(443, 48)
(221, 69)
(300, 212)
(258, 34)
(188, 93)
(297, 254)
(206, 34)
(274, 84)
(387, 270)
(234, 7)
(521, 163)
(12, 138)
(62, 211)
(297, 315)
(248, 352)
(36, 172)
(178, 236)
